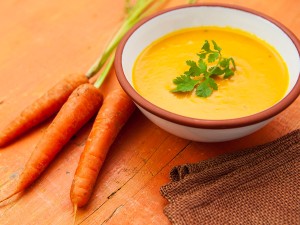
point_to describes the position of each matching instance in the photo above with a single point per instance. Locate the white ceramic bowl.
(156, 26)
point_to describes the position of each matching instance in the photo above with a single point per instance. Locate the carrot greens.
(201, 74)
(112, 116)
(134, 13)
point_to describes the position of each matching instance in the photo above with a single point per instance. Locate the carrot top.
(134, 13)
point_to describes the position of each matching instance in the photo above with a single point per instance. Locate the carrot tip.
(75, 213)
(9, 196)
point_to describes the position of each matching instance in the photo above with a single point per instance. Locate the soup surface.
(260, 79)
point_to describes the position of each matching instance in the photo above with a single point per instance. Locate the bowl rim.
(206, 123)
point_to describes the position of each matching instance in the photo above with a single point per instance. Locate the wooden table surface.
(41, 41)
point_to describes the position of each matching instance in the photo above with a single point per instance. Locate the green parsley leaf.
(194, 69)
(213, 57)
(228, 73)
(202, 55)
(206, 46)
(202, 66)
(201, 75)
(233, 63)
(203, 90)
(216, 47)
(212, 83)
(224, 62)
(184, 84)
(216, 70)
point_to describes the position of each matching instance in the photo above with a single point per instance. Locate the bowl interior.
(212, 15)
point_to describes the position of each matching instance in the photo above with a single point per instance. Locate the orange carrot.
(114, 113)
(82, 104)
(42, 108)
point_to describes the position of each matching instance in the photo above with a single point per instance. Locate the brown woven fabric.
(259, 185)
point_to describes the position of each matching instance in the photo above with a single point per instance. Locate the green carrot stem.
(134, 16)
(105, 72)
(103, 58)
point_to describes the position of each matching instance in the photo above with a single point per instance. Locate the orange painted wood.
(41, 41)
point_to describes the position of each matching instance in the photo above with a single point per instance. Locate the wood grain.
(40, 42)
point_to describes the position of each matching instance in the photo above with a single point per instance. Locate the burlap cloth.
(259, 185)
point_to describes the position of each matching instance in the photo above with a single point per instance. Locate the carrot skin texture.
(42, 109)
(81, 106)
(115, 111)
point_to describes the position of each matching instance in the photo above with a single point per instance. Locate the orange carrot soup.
(260, 78)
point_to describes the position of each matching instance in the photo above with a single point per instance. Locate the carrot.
(51, 102)
(78, 109)
(83, 103)
(43, 108)
(115, 111)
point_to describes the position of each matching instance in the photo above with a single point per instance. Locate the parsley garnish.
(200, 75)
